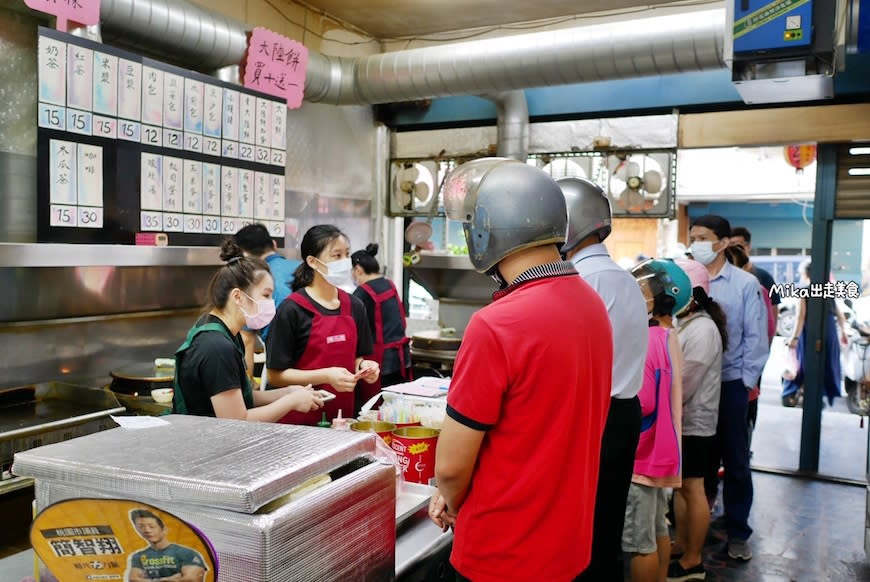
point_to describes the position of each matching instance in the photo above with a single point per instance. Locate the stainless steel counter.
(420, 545)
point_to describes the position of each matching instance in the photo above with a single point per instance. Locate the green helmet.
(505, 206)
(664, 276)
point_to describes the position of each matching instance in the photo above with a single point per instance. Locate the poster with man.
(123, 540)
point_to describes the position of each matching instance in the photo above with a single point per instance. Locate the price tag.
(211, 225)
(173, 222)
(211, 146)
(151, 221)
(276, 229)
(279, 158)
(246, 152)
(105, 127)
(263, 155)
(90, 217)
(64, 215)
(193, 142)
(130, 130)
(230, 149)
(52, 117)
(173, 139)
(78, 121)
(230, 225)
(193, 223)
(152, 135)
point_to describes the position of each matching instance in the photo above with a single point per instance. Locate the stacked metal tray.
(243, 484)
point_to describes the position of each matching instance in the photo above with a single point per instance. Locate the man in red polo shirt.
(517, 458)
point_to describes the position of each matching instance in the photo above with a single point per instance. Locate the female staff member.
(386, 322)
(320, 333)
(210, 376)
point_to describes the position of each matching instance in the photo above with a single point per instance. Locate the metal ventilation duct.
(179, 30)
(203, 39)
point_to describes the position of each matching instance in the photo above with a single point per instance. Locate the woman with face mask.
(210, 375)
(321, 333)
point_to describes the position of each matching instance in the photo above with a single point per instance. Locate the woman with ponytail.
(386, 315)
(702, 335)
(210, 374)
(321, 334)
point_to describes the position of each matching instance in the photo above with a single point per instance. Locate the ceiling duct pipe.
(203, 39)
(513, 124)
(178, 30)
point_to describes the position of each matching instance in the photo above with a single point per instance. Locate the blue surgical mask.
(703, 251)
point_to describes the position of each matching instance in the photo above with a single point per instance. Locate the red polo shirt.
(534, 371)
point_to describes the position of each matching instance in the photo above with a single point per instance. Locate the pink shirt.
(657, 461)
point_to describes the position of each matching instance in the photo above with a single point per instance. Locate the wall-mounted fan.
(413, 187)
(638, 183)
(573, 167)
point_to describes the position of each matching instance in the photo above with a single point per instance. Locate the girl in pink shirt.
(667, 291)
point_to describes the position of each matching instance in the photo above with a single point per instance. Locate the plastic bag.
(792, 364)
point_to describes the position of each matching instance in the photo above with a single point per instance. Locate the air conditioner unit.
(782, 51)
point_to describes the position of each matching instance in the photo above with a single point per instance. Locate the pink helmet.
(697, 273)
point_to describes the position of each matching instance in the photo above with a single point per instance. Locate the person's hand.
(304, 399)
(843, 338)
(439, 514)
(791, 342)
(340, 379)
(369, 371)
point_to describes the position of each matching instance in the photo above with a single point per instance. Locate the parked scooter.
(856, 368)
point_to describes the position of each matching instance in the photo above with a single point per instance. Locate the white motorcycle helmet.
(504, 206)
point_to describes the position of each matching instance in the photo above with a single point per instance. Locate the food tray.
(411, 498)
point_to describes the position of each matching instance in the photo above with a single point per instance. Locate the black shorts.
(698, 453)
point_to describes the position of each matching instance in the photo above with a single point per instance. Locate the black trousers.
(618, 447)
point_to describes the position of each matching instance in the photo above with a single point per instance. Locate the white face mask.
(338, 272)
(703, 251)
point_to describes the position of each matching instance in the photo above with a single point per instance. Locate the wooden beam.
(755, 127)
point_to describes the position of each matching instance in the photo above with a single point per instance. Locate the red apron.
(332, 342)
(367, 390)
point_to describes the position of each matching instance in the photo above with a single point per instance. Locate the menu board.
(127, 144)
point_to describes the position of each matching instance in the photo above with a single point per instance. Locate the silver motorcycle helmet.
(505, 206)
(589, 211)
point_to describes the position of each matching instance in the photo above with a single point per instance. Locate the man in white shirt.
(589, 223)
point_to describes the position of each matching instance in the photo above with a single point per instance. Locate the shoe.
(676, 572)
(739, 550)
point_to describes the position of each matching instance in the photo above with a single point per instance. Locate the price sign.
(151, 221)
(64, 215)
(90, 217)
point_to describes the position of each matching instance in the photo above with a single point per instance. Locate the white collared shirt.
(628, 316)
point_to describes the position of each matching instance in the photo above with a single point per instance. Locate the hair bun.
(372, 249)
(231, 251)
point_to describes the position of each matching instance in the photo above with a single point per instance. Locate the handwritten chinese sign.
(276, 65)
(81, 11)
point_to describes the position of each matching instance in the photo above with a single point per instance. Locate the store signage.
(276, 65)
(80, 11)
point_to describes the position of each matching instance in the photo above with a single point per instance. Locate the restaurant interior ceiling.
(390, 19)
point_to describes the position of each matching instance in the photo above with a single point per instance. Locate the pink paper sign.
(81, 11)
(276, 65)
